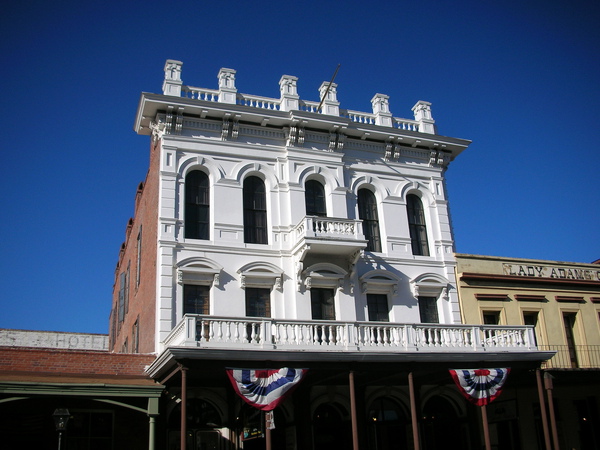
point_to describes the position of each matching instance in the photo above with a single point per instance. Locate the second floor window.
(314, 197)
(417, 226)
(196, 299)
(258, 302)
(367, 212)
(428, 310)
(197, 206)
(377, 305)
(322, 304)
(255, 211)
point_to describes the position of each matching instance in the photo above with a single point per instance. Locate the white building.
(284, 232)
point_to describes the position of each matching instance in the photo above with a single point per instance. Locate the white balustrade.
(317, 335)
(255, 101)
(405, 124)
(208, 95)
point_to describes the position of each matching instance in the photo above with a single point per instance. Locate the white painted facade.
(287, 142)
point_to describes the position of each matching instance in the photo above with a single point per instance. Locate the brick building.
(283, 232)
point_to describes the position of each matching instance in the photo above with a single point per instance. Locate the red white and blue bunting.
(480, 386)
(265, 389)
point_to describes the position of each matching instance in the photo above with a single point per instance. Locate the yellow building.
(561, 300)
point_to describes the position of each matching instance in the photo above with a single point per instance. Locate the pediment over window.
(379, 282)
(430, 285)
(198, 271)
(261, 274)
(323, 275)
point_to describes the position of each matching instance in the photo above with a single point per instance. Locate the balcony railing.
(579, 357)
(274, 334)
(329, 234)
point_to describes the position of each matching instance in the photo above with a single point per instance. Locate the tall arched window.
(367, 212)
(255, 211)
(417, 225)
(314, 197)
(197, 206)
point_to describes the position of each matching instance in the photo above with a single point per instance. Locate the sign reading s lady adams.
(566, 273)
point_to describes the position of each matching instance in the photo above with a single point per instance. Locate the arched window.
(314, 197)
(197, 206)
(255, 211)
(388, 425)
(367, 212)
(417, 225)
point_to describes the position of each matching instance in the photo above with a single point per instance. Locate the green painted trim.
(86, 390)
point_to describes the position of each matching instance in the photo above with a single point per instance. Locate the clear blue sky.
(521, 79)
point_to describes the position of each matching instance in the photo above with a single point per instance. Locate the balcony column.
(172, 83)
(353, 411)
(227, 89)
(381, 109)
(422, 111)
(543, 413)
(413, 412)
(288, 87)
(549, 386)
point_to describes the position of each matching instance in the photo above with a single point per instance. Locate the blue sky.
(521, 79)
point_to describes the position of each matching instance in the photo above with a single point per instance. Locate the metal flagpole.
(328, 86)
(486, 428)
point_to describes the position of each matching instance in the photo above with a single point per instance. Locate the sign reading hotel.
(566, 273)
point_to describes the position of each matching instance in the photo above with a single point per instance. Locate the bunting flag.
(480, 386)
(265, 389)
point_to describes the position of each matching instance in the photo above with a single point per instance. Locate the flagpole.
(486, 429)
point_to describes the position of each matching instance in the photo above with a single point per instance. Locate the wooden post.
(413, 412)
(268, 424)
(543, 409)
(549, 386)
(353, 412)
(183, 407)
(486, 428)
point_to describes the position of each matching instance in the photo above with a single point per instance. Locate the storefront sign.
(567, 273)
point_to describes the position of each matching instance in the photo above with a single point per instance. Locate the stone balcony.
(266, 334)
(328, 235)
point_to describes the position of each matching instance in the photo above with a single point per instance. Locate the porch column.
(183, 406)
(549, 386)
(152, 413)
(353, 411)
(538, 376)
(413, 412)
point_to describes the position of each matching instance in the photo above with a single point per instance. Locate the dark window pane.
(428, 310)
(255, 211)
(377, 305)
(322, 304)
(258, 302)
(417, 226)
(367, 212)
(314, 197)
(197, 205)
(196, 299)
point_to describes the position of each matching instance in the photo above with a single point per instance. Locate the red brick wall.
(142, 298)
(65, 362)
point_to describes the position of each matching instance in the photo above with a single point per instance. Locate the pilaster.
(422, 111)
(328, 95)
(381, 109)
(289, 93)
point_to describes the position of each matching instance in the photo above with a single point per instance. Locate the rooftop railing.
(274, 334)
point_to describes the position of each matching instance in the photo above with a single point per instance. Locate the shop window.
(90, 430)
(314, 197)
(417, 225)
(255, 211)
(387, 425)
(197, 205)
(367, 212)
